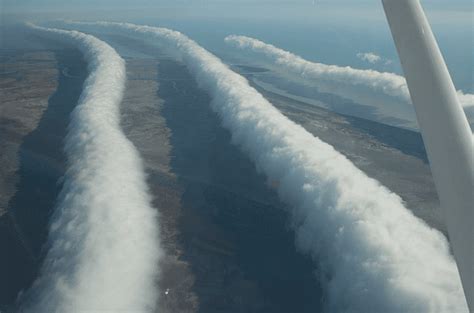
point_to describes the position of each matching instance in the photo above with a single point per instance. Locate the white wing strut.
(444, 127)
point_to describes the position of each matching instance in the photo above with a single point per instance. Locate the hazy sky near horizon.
(330, 31)
(337, 11)
(269, 4)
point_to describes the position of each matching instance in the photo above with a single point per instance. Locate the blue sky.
(330, 31)
(451, 4)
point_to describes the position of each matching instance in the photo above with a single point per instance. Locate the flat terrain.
(39, 88)
(26, 81)
(393, 156)
(224, 230)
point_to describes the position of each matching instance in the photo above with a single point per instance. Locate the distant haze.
(331, 32)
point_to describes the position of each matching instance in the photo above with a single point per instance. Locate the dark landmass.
(218, 215)
(233, 227)
(26, 82)
(224, 230)
(394, 156)
(34, 118)
(27, 79)
(225, 233)
(145, 126)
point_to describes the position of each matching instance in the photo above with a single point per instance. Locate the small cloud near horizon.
(373, 58)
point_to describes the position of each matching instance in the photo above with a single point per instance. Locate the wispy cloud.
(369, 57)
(373, 58)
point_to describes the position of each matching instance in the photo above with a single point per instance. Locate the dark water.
(41, 165)
(233, 227)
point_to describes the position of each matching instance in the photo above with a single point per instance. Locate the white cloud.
(103, 246)
(369, 57)
(390, 84)
(371, 254)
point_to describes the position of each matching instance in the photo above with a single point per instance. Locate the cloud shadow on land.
(355, 229)
(233, 228)
(41, 165)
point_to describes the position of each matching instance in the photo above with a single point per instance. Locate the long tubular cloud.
(372, 254)
(391, 84)
(103, 246)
